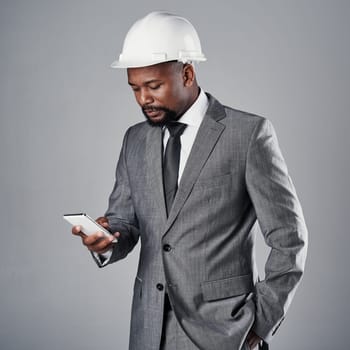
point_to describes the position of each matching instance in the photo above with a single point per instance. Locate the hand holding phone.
(87, 225)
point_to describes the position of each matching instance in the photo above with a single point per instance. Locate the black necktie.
(171, 162)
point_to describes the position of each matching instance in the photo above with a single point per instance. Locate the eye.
(155, 87)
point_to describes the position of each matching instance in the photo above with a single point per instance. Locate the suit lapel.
(154, 168)
(207, 136)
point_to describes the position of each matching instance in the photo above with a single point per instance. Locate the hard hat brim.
(121, 64)
(139, 64)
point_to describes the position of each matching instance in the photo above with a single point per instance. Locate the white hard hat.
(160, 37)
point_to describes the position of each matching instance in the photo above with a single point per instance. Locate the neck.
(191, 100)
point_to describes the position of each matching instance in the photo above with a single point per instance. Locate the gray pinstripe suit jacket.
(234, 176)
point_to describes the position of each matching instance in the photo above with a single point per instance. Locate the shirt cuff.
(103, 258)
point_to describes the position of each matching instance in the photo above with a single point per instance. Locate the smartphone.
(87, 224)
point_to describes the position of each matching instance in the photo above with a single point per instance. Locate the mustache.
(154, 109)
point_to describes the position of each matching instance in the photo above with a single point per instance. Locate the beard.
(169, 115)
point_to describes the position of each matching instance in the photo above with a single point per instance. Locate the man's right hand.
(97, 242)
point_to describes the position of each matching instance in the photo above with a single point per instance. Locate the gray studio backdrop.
(63, 115)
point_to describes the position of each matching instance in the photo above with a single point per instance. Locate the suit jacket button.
(166, 247)
(160, 287)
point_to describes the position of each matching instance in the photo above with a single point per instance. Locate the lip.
(153, 113)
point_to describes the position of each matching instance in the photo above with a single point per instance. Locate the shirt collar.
(195, 114)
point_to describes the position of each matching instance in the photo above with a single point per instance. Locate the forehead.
(162, 71)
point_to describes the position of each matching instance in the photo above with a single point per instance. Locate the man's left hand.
(253, 340)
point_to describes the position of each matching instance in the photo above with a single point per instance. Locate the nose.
(145, 97)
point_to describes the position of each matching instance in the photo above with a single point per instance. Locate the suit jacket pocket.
(227, 287)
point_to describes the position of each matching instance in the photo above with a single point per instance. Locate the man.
(191, 182)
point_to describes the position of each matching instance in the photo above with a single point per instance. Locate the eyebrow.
(146, 82)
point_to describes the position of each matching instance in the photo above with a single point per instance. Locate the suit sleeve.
(282, 224)
(120, 213)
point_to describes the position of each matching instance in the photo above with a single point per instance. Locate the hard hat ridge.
(159, 37)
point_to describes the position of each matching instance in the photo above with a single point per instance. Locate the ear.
(188, 74)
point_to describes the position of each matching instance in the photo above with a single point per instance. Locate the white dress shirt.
(192, 118)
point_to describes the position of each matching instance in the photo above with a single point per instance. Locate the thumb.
(105, 224)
